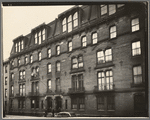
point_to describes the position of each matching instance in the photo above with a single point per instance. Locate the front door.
(58, 104)
(49, 104)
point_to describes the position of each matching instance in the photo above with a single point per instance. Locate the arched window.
(69, 23)
(75, 19)
(64, 24)
(49, 53)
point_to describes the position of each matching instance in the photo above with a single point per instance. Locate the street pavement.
(23, 117)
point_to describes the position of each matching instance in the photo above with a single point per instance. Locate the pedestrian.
(53, 113)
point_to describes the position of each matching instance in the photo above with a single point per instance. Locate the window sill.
(103, 65)
(74, 109)
(81, 109)
(101, 110)
(77, 70)
(111, 110)
(137, 85)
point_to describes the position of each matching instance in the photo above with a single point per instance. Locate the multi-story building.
(6, 86)
(90, 60)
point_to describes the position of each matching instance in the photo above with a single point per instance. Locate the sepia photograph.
(74, 60)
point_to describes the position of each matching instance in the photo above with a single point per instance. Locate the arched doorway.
(58, 103)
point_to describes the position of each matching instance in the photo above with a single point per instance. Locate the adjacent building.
(90, 60)
(6, 86)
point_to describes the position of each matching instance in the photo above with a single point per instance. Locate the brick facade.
(89, 22)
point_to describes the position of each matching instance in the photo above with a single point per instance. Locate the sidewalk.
(24, 117)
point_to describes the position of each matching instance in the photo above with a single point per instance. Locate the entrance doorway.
(58, 103)
(49, 104)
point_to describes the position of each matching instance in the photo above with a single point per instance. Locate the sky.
(21, 19)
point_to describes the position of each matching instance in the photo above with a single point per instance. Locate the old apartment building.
(90, 60)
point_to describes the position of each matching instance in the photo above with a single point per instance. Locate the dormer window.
(39, 37)
(64, 25)
(69, 23)
(19, 45)
(75, 19)
(43, 34)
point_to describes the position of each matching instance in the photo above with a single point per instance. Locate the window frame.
(136, 48)
(49, 70)
(31, 58)
(58, 70)
(84, 42)
(96, 38)
(49, 86)
(39, 56)
(112, 32)
(134, 24)
(49, 53)
(77, 62)
(141, 75)
(69, 47)
(58, 50)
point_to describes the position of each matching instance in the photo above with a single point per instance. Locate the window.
(64, 25)
(18, 62)
(120, 5)
(11, 103)
(70, 23)
(84, 41)
(136, 48)
(77, 62)
(23, 104)
(81, 103)
(26, 59)
(75, 19)
(58, 50)
(20, 75)
(12, 90)
(57, 66)
(32, 103)
(35, 38)
(37, 103)
(113, 32)
(16, 50)
(5, 93)
(12, 76)
(12, 63)
(20, 90)
(135, 24)
(43, 34)
(31, 59)
(100, 103)
(78, 103)
(49, 85)
(6, 69)
(21, 44)
(35, 87)
(94, 38)
(49, 69)
(103, 9)
(6, 80)
(66, 104)
(104, 56)
(19, 103)
(105, 103)
(23, 74)
(74, 103)
(58, 84)
(77, 82)
(70, 46)
(137, 74)
(35, 72)
(49, 53)
(19, 47)
(110, 103)
(39, 37)
(39, 56)
(112, 9)
(105, 80)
